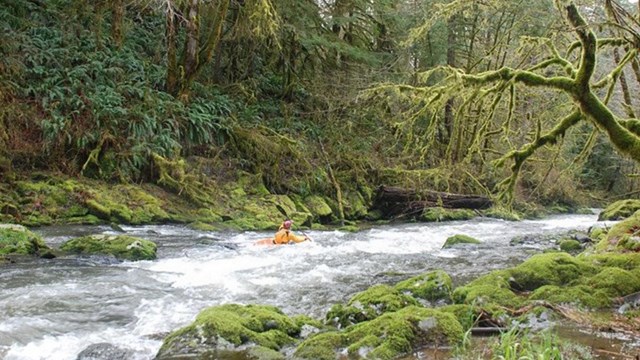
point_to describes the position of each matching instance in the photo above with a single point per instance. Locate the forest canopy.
(439, 94)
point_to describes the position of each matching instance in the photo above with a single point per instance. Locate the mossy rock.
(434, 286)
(369, 304)
(437, 214)
(121, 246)
(614, 282)
(319, 208)
(501, 213)
(355, 206)
(229, 327)
(18, 240)
(386, 337)
(626, 261)
(620, 210)
(493, 288)
(201, 226)
(459, 239)
(570, 245)
(623, 236)
(578, 295)
(549, 269)
(465, 313)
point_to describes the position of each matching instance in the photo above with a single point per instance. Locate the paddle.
(284, 212)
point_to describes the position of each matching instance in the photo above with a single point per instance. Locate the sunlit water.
(53, 309)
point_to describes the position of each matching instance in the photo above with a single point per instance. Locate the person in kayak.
(285, 236)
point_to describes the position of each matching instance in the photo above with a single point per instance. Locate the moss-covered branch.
(521, 155)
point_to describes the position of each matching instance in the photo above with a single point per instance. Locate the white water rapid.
(53, 309)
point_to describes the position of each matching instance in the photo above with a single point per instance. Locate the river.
(53, 309)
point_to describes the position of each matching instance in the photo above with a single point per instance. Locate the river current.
(53, 309)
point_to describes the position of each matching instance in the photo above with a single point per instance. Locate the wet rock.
(369, 304)
(18, 240)
(386, 337)
(104, 351)
(121, 246)
(620, 210)
(459, 239)
(433, 286)
(232, 328)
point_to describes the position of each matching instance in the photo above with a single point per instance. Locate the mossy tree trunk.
(564, 74)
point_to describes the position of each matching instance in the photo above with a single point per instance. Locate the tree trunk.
(172, 59)
(395, 201)
(117, 11)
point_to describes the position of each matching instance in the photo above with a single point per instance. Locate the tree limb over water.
(569, 75)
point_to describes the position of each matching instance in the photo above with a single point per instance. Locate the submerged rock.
(104, 351)
(121, 246)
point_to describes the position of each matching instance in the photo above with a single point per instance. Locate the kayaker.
(285, 236)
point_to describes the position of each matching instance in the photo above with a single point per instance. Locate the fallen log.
(395, 202)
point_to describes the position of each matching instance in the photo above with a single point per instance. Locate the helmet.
(287, 224)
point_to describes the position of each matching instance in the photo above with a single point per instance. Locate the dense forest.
(521, 101)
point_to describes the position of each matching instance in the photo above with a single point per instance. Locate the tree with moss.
(563, 64)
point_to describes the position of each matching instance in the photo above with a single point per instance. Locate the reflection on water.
(54, 309)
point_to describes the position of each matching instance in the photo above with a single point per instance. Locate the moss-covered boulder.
(386, 337)
(570, 245)
(436, 214)
(493, 288)
(121, 246)
(549, 269)
(620, 210)
(369, 304)
(18, 240)
(502, 213)
(614, 282)
(434, 286)
(623, 236)
(459, 239)
(228, 327)
(578, 295)
(319, 208)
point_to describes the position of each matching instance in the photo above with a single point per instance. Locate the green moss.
(626, 261)
(614, 282)
(121, 246)
(491, 288)
(397, 333)
(436, 214)
(549, 269)
(369, 304)
(355, 207)
(501, 213)
(570, 245)
(432, 286)
(466, 314)
(459, 239)
(218, 326)
(323, 346)
(622, 236)
(579, 295)
(202, 226)
(18, 240)
(620, 210)
(319, 208)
